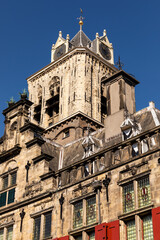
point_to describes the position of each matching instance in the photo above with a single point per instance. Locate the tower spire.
(81, 20)
(81, 24)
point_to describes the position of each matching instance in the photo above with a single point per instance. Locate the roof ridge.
(79, 33)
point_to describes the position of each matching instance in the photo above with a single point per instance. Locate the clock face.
(59, 51)
(105, 52)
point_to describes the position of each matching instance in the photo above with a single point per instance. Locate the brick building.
(76, 159)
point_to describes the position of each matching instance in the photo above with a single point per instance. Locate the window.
(91, 210)
(136, 195)
(9, 233)
(88, 236)
(147, 227)
(127, 133)
(78, 214)
(37, 226)
(145, 146)
(1, 234)
(66, 133)
(91, 235)
(153, 142)
(78, 237)
(42, 226)
(13, 178)
(9, 182)
(131, 230)
(86, 170)
(128, 197)
(50, 124)
(6, 233)
(141, 188)
(5, 182)
(135, 150)
(90, 168)
(47, 225)
(87, 206)
(144, 195)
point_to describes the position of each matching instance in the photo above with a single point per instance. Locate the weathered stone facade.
(77, 160)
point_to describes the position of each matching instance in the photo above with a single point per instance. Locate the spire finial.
(81, 19)
(119, 63)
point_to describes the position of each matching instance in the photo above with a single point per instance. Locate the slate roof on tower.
(80, 39)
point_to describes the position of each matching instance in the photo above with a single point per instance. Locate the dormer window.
(127, 128)
(127, 133)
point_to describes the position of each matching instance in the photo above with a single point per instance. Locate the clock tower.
(69, 94)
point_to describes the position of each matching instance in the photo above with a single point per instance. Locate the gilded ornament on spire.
(81, 19)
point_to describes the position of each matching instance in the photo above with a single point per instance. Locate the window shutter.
(113, 230)
(156, 222)
(101, 232)
(64, 238)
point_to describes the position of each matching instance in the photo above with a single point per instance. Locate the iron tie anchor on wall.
(61, 201)
(22, 214)
(27, 166)
(106, 182)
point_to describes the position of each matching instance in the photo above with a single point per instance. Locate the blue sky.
(28, 29)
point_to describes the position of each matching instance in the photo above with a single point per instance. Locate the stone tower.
(72, 85)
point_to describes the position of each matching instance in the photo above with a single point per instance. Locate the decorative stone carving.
(82, 190)
(6, 220)
(33, 189)
(132, 170)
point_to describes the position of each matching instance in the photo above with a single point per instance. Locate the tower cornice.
(66, 56)
(120, 74)
(79, 113)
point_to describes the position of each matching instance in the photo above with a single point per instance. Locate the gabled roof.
(80, 39)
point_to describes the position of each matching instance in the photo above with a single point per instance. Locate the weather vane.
(81, 19)
(119, 64)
